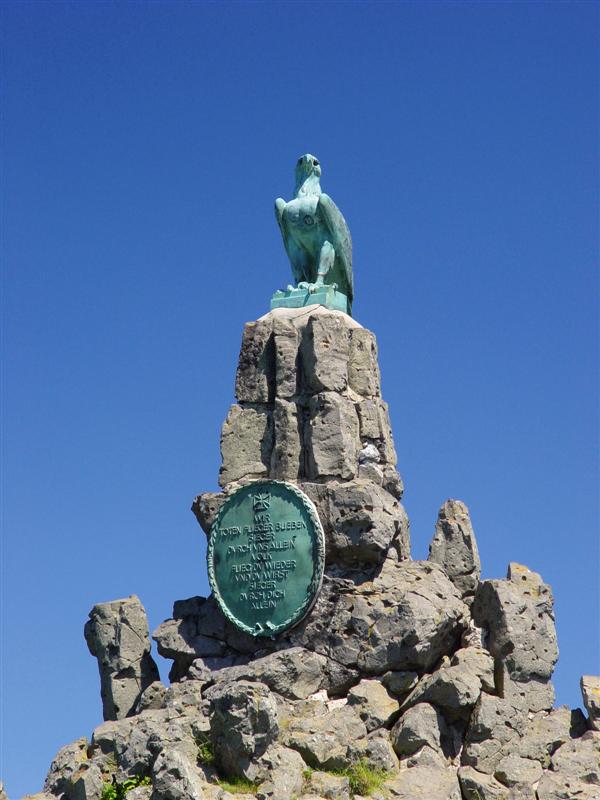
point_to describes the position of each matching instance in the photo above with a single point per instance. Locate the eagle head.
(307, 165)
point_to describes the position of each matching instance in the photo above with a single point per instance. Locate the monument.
(326, 663)
(318, 243)
(266, 555)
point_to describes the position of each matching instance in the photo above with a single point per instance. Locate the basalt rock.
(415, 672)
(117, 634)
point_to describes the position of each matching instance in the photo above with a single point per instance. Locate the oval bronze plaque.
(266, 556)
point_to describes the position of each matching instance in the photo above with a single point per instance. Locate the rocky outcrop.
(117, 635)
(454, 547)
(407, 680)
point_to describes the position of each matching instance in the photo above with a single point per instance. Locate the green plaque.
(266, 556)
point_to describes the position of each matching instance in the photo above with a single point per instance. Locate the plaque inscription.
(266, 556)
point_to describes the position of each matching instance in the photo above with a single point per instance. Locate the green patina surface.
(326, 296)
(266, 556)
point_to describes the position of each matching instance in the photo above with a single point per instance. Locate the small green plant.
(235, 785)
(364, 779)
(206, 751)
(117, 791)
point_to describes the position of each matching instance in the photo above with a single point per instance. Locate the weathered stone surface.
(375, 428)
(152, 697)
(373, 703)
(363, 369)
(580, 759)
(287, 341)
(255, 378)
(421, 726)
(246, 444)
(544, 733)
(454, 547)
(64, 765)
(478, 660)
(86, 783)
(399, 683)
(379, 753)
(361, 522)
(206, 507)
(295, 673)
(424, 783)
(557, 786)
(514, 771)
(333, 787)
(284, 769)
(403, 618)
(325, 351)
(517, 613)
(478, 786)
(243, 723)
(590, 689)
(494, 726)
(331, 437)
(455, 689)
(176, 777)
(117, 635)
(286, 457)
(328, 741)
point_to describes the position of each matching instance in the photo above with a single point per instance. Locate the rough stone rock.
(325, 350)
(333, 787)
(517, 613)
(590, 689)
(361, 522)
(477, 660)
(556, 786)
(478, 786)
(64, 765)
(284, 770)
(363, 368)
(399, 683)
(176, 777)
(373, 703)
(152, 697)
(86, 783)
(140, 793)
(422, 726)
(580, 758)
(295, 673)
(455, 689)
(246, 444)
(535, 694)
(206, 506)
(454, 547)
(286, 457)
(287, 341)
(544, 733)
(328, 741)
(406, 617)
(255, 378)
(3, 795)
(495, 726)
(376, 430)
(243, 723)
(515, 771)
(423, 783)
(331, 437)
(117, 635)
(379, 753)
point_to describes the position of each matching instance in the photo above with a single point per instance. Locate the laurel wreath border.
(314, 587)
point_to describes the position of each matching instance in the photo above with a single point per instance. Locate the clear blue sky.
(144, 144)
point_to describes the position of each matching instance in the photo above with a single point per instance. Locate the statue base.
(327, 296)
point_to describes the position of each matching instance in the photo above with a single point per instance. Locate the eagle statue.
(315, 234)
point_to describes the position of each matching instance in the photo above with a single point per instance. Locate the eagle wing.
(340, 238)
